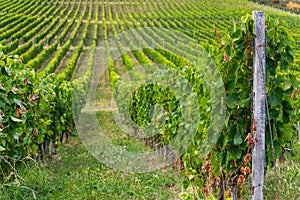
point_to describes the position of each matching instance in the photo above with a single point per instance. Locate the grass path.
(78, 175)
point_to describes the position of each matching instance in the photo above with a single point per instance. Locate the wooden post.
(259, 105)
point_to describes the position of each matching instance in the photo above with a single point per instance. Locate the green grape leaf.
(273, 98)
(237, 138)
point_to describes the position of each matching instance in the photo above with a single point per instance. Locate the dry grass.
(292, 5)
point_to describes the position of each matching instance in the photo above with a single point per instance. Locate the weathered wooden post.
(259, 105)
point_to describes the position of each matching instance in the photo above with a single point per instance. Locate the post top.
(257, 11)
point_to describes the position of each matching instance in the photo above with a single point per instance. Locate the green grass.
(288, 186)
(289, 182)
(75, 174)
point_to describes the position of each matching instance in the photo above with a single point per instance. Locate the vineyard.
(128, 68)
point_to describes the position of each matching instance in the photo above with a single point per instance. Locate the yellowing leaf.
(15, 119)
(2, 148)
